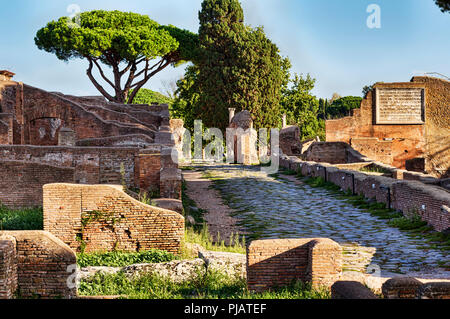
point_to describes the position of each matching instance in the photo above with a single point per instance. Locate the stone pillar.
(284, 120)
(231, 110)
(164, 136)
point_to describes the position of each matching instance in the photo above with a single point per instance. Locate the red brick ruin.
(49, 137)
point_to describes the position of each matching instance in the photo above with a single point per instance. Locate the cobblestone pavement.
(272, 208)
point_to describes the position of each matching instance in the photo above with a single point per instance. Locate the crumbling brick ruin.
(94, 218)
(406, 125)
(277, 262)
(50, 137)
(34, 264)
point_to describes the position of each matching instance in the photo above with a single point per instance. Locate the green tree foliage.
(302, 108)
(186, 103)
(443, 4)
(147, 96)
(342, 107)
(124, 41)
(238, 67)
(323, 106)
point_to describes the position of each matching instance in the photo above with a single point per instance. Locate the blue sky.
(327, 38)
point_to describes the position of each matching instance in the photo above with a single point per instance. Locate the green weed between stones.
(21, 219)
(212, 285)
(410, 223)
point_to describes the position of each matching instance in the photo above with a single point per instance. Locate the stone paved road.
(270, 208)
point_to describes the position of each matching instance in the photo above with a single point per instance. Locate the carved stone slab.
(400, 105)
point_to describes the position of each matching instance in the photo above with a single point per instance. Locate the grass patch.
(21, 219)
(121, 259)
(212, 285)
(288, 172)
(408, 223)
(374, 169)
(236, 244)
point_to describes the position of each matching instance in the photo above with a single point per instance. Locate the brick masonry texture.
(408, 196)
(333, 153)
(21, 182)
(8, 267)
(41, 265)
(395, 144)
(104, 218)
(278, 262)
(93, 138)
(31, 167)
(425, 200)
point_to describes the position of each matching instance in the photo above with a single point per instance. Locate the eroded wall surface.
(384, 134)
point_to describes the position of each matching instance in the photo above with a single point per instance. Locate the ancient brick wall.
(394, 144)
(104, 218)
(437, 126)
(342, 178)
(8, 267)
(40, 107)
(425, 200)
(21, 182)
(93, 165)
(150, 169)
(334, 153)
(4, 132)
(42, 262)
(153, 116)
(278, 262)
(374, 187)
(88, 165)
(290, 141)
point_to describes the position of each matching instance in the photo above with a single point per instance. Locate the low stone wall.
(93, 165)
(272, 263)
(25, 169)
(430, 202)
(104, 218)
(36, 265)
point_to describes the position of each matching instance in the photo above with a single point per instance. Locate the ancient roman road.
(272, 208)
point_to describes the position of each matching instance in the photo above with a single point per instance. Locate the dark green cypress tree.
(238, 67)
